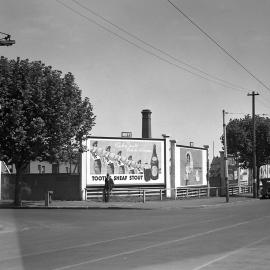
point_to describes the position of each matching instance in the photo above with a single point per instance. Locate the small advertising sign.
(265, 171)
(126, 134)
(128, 161)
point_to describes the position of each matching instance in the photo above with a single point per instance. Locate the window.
(55, 168)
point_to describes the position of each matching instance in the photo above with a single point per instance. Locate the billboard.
(128, 161)
(193, 166)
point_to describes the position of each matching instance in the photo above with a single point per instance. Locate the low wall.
(34, 186)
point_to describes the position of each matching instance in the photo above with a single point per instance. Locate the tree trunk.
(258, 182)
(18, 184)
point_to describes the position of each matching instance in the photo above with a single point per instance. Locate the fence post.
(187, 193)
(175, 193)
(208, 192)
(216, 192)
(160, 194)
(199, 193)
(144, 196)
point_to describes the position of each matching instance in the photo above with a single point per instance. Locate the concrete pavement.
(164, 204)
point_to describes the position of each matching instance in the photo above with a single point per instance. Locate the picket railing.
(150, 193)
(144, 194)
(235, 190)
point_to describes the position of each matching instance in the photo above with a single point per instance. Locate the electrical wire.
(154, 47)
(235, 113)
(148, 51)
(239, 113)
(219, 45)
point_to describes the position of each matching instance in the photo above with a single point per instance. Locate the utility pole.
(255, 183)
(225, 158)
(207, 173)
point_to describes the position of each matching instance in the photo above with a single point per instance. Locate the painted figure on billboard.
(191, 166)
(139, 167)
(96, 158)
(108, 157)
(130, 165)
(127, 161)
(119, 163)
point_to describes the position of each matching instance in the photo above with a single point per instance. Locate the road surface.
(233, 236)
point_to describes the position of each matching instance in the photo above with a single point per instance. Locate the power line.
(241, 113)
(234, 113)
(154, 47)
(147, 51)
(219, 45)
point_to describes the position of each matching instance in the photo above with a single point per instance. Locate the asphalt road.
(235, 236)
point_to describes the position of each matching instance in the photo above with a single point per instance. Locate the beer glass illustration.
(147, 172)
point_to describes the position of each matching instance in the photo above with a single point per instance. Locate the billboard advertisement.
(193, 166)
(128, 161)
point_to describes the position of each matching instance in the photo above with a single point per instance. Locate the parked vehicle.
(265, 189)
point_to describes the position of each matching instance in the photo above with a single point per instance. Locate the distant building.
(236, 175)
(41, 167)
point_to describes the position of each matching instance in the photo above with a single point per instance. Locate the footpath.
(164, 204)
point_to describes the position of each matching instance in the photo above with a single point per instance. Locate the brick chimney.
(146, 124)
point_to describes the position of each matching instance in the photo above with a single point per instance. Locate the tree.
(42, 115)
(239, 140)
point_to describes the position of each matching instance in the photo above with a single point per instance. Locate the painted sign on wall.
(128, 161)
(193, 166)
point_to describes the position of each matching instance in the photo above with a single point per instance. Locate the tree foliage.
(43, 114)
(240, 140)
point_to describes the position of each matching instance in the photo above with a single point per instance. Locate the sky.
(129, 55)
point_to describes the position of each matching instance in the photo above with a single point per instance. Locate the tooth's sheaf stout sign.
(128, 161)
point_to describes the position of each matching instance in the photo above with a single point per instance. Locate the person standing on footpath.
(109, 185)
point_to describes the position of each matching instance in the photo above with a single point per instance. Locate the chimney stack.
(146, 124)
